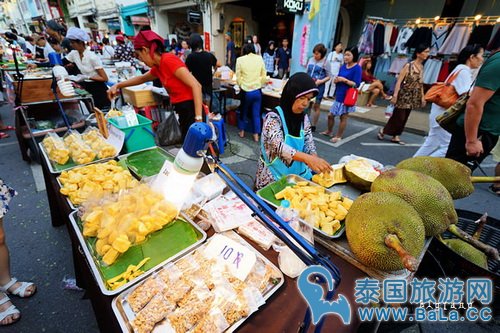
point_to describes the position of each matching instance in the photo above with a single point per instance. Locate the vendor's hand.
(112, 92)
(474, 148)
(394, 99)
(317, 164)
(31, 66)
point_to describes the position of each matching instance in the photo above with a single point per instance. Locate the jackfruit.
(385, 232)
(428, 196)
(455, 176)
(467, 251)
(331, 178)
(360, 173)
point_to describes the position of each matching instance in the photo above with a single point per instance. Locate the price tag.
(238, 258)
(160, 181)
(116, 138)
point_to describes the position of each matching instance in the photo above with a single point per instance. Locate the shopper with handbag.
(478, 128)
(348, 79)
(460, 79)
(408, 95)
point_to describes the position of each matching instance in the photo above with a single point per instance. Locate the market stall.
(276, 315)
(154, 239)
(38, 102)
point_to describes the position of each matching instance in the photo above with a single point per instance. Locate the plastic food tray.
(125, 315)
(58, 168)
(159, 151)
(94, 262)
(267, 193)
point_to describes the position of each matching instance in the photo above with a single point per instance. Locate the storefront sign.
(139, 20)
(207, 41)
(290, 6)
(90, 25)
(194, 16)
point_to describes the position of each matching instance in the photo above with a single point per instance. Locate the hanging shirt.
(394, 36)
(389, 27)
(88, 64)
(378, 39)
(481, 35)
(403, 37)
(365, 44)
(456, 40)
(439, 35)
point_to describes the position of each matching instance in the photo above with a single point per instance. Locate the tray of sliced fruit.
(135, 227)
(328, 208)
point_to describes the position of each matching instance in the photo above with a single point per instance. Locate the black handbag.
(169, 132)
(448, 119)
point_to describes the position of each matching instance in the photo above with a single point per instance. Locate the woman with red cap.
(184, 90)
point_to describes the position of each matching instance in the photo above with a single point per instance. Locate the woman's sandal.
(8, 128)
(10, 311)
(495, 189)
(20, 291)
(3, 135)
(241, 134)
(335, 139)
(398, 141)
(326, 133)
(380, 134)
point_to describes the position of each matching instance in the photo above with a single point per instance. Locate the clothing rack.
(464, 19)
(379, 19)
(423, 21)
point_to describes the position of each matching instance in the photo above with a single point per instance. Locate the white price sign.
(116, 137)
(238, 258)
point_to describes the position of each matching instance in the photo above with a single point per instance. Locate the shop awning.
(139, 20)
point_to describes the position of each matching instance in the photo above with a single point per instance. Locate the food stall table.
(283, 312)
(35, 92)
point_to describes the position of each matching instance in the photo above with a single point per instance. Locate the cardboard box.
(37, 90)
(139, 96)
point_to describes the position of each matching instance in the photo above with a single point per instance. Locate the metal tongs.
(305, 251)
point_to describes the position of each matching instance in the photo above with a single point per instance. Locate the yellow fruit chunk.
(110, 257)
(121, 243)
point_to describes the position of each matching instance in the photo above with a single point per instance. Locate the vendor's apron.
(99, 92)
(277, 167)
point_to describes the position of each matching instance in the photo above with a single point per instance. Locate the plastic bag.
(56, 148)
(389, 110)
(169, 131)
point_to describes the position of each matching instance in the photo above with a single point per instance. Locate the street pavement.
(42, 253)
